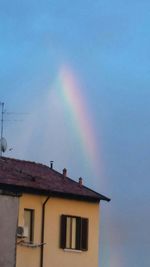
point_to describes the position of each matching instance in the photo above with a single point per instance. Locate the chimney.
(80, 181)
(64, 172)
(51, 164)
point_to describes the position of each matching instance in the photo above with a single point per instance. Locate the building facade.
(58, 218)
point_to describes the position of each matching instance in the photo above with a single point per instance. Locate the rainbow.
(72, 96)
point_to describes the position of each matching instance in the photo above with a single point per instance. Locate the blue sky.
(106, 44)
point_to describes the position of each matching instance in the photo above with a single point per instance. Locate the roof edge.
(29, 190)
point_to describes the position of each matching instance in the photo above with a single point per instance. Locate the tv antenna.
(3, 112)
(3, 142)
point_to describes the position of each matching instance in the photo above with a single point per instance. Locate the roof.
(29, 177)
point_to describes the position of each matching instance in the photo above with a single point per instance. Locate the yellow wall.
(26, 256)
(53, 255)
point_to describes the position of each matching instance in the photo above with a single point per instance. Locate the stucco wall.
(8, 224)
(53, 255)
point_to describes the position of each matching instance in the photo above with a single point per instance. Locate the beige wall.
(8, 226)
(27, 256)
(53, 255)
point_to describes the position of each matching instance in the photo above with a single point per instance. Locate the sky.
(75, 80)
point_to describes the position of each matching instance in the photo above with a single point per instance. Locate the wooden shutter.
(84, 234)
(78, 233)
(63, 231)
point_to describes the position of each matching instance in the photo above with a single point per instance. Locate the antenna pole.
(2, 125)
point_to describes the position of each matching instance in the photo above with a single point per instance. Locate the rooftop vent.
(80, 181)
(64, 172)
(51, 164)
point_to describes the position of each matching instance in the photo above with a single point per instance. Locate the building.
(8, 224)
(58, 218)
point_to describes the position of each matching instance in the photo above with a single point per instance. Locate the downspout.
(42, 231)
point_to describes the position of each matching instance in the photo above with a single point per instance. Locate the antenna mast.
(2, 118)
(2, 126)
(3, 142)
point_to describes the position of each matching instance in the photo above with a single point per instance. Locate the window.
(28, 225)
(74, 232)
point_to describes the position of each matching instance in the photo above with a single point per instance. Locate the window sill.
(30, 245)
(72, 250)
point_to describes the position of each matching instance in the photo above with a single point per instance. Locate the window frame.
(81, 233)
(30, 238)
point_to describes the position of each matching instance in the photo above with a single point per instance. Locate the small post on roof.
(51, 164)
(80, 181)
(65, 172)
(2, 122)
